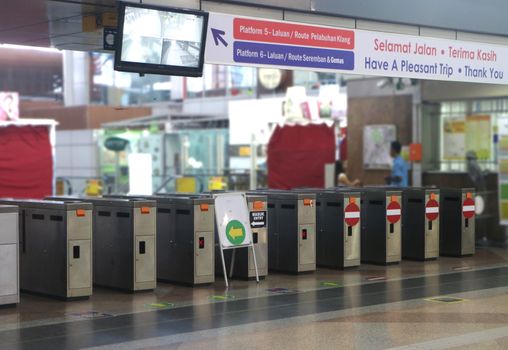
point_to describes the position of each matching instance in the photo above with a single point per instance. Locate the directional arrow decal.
(236, 232)
(217, 36)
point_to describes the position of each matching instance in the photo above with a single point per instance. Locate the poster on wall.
(376, 145)
(479, 135)
(502, 145)
(9, 106)
(454, 140)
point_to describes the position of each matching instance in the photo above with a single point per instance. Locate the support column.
(76, 78)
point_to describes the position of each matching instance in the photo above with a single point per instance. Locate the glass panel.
(120, 88)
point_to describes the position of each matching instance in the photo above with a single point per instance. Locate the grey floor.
(370, 307)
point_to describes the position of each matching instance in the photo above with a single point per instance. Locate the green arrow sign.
(235, 232)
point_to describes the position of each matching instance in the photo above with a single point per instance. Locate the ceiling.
(59, 23)
(52, 23)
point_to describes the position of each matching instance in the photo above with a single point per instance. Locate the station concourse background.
(87, 261)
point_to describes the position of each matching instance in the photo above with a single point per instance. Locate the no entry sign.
(432, 210)
(393, 212)
(468, 208)
(352, 214)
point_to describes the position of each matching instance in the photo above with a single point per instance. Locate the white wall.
(76, 157)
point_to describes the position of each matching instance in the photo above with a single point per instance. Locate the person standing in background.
(341, 176)
(399, 176)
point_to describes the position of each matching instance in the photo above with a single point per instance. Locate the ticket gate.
(185, 241)
(291, 230)
(338, 228)
(9, 250)
(55, 247)
(243, 266)
(381, 226)
(124, 243)
(420, 223)
(244, 263)
(457, 218)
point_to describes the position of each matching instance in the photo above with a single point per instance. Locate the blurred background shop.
(215, 132)
(240, 128)
(181, 172)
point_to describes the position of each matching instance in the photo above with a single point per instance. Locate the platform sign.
(233, 227)
(257, 42)
(243, 41)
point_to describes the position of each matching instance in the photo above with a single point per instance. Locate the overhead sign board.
(245, 41)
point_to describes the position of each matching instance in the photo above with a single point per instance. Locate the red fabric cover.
(26, 163)
(297, 155)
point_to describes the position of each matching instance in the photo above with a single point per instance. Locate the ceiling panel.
(51, 23)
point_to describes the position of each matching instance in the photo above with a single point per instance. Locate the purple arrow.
(217, 36)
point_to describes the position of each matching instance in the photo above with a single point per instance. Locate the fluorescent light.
(33, 48)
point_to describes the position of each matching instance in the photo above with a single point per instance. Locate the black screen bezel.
(162, 69)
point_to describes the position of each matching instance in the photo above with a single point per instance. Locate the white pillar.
(76, 78)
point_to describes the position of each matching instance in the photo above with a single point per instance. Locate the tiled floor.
(361, 325)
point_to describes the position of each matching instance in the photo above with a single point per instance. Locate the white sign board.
(232, 217)
(246, 41)
(140, 173)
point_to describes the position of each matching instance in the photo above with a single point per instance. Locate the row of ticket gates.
(63, 246)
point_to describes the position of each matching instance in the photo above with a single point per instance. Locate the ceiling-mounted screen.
(160, 40)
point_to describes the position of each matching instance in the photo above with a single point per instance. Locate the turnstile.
(457, 218)
(420, 223)
(185, 239)
(244, 262)
(381, 225)
(338, 228)
(291, 230)
(243, 267)
(124, 255)
(55, 247)
(9, 266)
